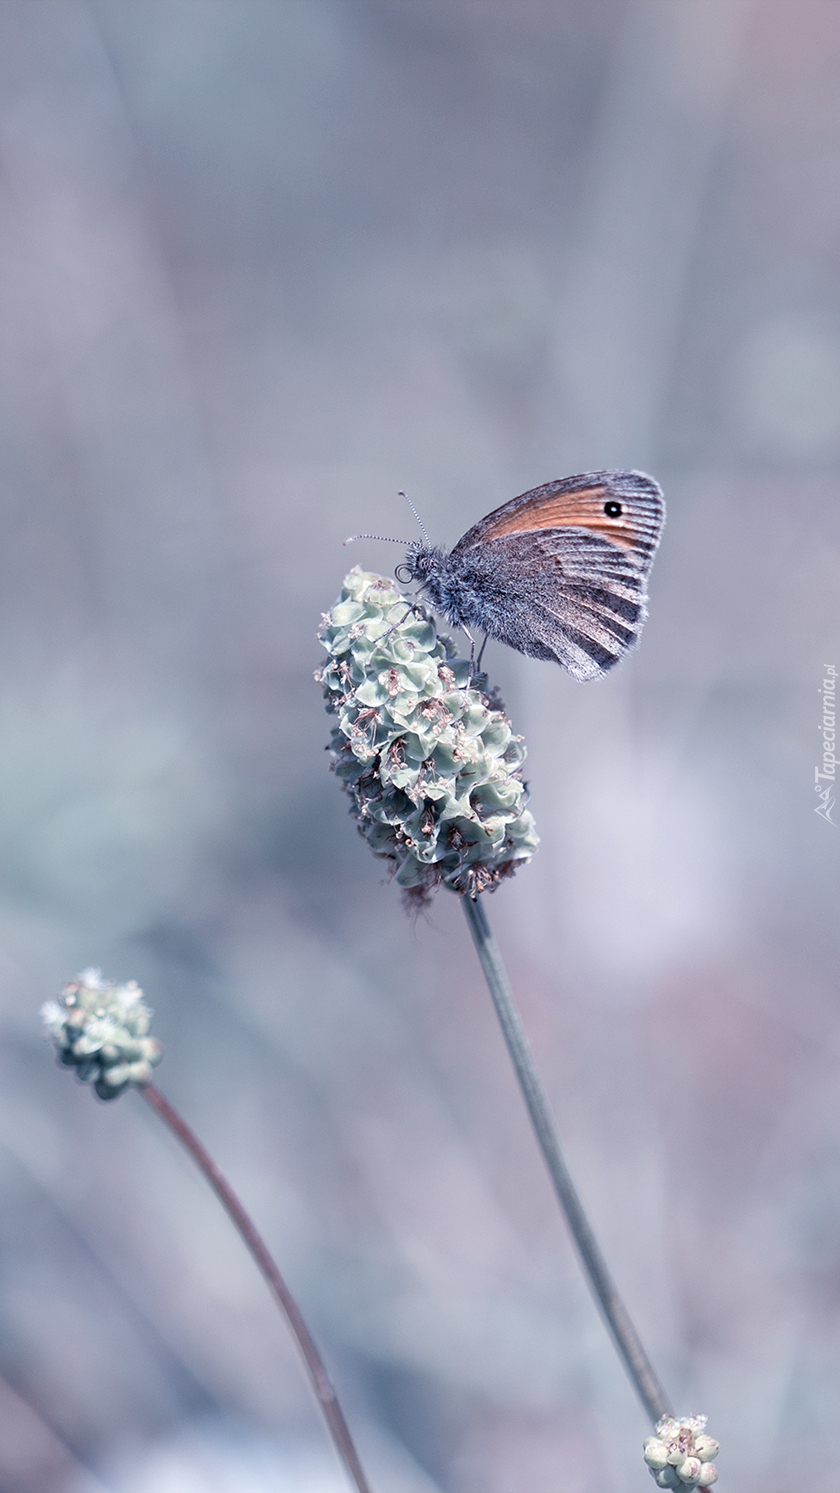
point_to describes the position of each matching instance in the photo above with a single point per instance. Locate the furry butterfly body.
(559, 573)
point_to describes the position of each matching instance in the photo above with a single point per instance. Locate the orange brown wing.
(623, 508)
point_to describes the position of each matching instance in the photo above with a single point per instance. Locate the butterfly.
(558, 573)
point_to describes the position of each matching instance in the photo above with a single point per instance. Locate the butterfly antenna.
(417, 516)
(386, 539)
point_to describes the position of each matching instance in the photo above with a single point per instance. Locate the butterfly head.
(421, 560)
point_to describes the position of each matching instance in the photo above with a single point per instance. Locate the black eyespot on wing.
(612, 509)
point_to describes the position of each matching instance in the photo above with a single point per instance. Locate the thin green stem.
(321, 1382)
(625, 1336)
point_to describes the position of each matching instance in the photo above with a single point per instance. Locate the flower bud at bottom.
(100, 1028)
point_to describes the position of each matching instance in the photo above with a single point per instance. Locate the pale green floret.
(667, 1478)
(706, 1448)
(432, 766)
(689, 1470)
(679, 1455)
(656, 1453)
(100, 1028)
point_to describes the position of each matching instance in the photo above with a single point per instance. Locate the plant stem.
(624, 1334)
(321, 1382)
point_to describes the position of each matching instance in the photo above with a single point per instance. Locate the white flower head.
(428, 758)
(681, 1455)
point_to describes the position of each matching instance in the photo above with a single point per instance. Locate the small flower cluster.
(100, 1028)
(680, 1454)
(431, 764)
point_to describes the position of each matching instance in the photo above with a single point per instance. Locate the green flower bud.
(689, 1470)
(100, 1028)
(115, 1077)
(656, 1453)
(706, 1448)
(667, 1477)
(429, 760)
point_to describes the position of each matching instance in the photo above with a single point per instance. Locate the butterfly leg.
(481, 653)
(413, 606)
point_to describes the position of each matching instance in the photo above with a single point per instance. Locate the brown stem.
(321, 1382)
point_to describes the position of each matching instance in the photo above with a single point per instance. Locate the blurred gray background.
(264, 263)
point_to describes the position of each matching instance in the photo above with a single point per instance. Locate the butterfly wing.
(563, 569)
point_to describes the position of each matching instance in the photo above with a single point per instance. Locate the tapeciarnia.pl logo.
(824, 780)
